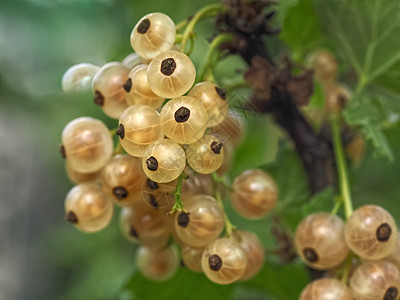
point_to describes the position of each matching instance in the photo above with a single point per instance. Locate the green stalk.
(341, 166)
(178, 204)
(229, 227)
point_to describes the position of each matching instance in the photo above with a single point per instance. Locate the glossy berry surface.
(184, 119)
(87, 144)
(202, 223)
(88, 207)
(171, 74)
(191, 257)
(153, 34)
(224, 261)
(320, 241)
(139, 126)
(326, 289)
(164, 161)
(376, 280)
(371, 232)
(254, 194)
(79, 77)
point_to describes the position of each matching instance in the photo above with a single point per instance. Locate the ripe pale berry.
(79, 77)
(326, 289)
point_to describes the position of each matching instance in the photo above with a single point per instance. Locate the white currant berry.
(79, 77)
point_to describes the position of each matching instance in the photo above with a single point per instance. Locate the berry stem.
(341, 166)
(212, 55)
(178, 204)
(221, 180)
(206, 12)
(338, 204)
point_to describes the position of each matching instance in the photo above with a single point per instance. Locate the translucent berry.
(138, 89)
(88, 207)
(324, 65)
(153, 34)
(79, 77)
(224, 261)
(229, 151)
(184, 119)
(159, 195)
(326, 289)
(191, 257)
(132, 60)
(197, 184)
(206, 155)
(79, 177)
(320, 241)
(213, 99)
(254, 251)
(87, 144)
(376, 280)
(230, 129)
(141, 223)
(158, 263)
(394, 257)
(123, 178)
(371, 232)
(139, 126)
(337, 97)
(108, 89)
(202, 223)
(164, 161)
(254, 194)
(171, 74)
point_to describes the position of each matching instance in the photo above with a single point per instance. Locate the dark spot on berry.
(391, 293)
(310, 255)
(215, 262)
(152, 184)
(133, 232)
(120, 131)
(216, 147)
(183, 219)
(98, 98)
(221, 93)
(153, 201)
(71, 217)
(152, 163)
(144, 26)
(168, 66)
(383, 232)
(120, 192)
(128, 85)
(62, 151)
(182, 114)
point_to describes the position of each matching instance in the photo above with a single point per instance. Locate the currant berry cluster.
(174, 144)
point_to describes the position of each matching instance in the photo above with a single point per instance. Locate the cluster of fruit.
(177, 147)
(324, 242)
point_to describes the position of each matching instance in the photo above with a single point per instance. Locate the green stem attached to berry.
(178, 204)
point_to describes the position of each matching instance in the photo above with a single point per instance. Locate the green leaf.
(369, 113)
(185, 285)
(301, 28)
(366, 32)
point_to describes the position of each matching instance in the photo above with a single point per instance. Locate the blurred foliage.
(40, 39)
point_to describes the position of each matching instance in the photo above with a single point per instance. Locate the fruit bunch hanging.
(165, 163)
(174, 143)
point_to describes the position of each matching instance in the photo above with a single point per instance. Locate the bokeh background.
(41, 256)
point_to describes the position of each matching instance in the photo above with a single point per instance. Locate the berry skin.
(337, 97)
(171, 74)
(159, 195)
(87, 144)
(206, 155)
(376, 280)
(320, 241)
(158, 264)
(123, 178)
(108, 89)
(139, 126)
(79, 177)
(152, 35)
(88, 207)
(254, 251)
(164, 161)
(254, 194)
(184, 120)
(79, 77)
(202, 223)
(394, 257)
(132, 60)
(213, 99)
(141, 223)
(326, 289)
(191, 257)
(224, 261)
(371, 232)
(138, 89)
(231, 129)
